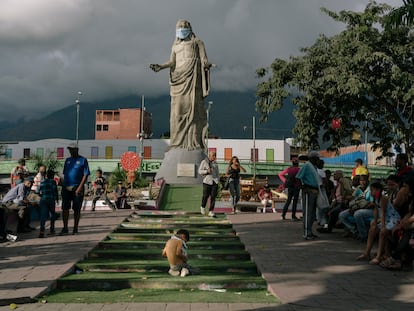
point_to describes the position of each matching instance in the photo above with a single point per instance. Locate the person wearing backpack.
(288, 177)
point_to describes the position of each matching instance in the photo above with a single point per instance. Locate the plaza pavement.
(306, 275)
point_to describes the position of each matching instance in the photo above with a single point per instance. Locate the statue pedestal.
(180, 166)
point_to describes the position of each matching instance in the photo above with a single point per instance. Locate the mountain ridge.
(230, 116)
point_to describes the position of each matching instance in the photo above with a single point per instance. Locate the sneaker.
(64, 231)
(11, 237)
(324, 230)
(211, 214)
(264, 210)
(309, 237)
(294, 218)
(184, 272)
(274, 211)
(75, 231)
(202, 210)
(173, 272)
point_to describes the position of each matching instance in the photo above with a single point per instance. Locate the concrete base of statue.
(180, 166)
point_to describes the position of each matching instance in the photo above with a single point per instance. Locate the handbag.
(358, 203)
(226, 184)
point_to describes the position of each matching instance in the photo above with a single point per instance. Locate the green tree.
(401, 16)
(50, 160)
(362, 76)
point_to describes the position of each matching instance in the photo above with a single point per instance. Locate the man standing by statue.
(189, 85)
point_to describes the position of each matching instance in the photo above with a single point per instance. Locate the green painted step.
(165, 236)
(196, 221)
(162, 225)
(115, 281)
(130, 228)
(217, 254)
(196, 216)
(194, 245)
(154, 226)
(153, 266)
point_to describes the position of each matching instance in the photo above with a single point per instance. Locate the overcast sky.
(51, 49)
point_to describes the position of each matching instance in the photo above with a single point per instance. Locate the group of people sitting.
(27, 192)
(371, 210)
(40, 192)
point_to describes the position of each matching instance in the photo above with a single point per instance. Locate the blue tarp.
(346, 159)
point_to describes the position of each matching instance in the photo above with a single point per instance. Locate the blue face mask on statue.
(182, 33)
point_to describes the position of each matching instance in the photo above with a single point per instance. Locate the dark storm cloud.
(51, 49)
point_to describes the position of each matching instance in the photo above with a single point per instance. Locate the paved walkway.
(306, 275)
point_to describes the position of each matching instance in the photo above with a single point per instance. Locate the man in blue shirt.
(311, 181)
(75, 174)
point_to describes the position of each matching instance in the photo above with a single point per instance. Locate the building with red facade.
(128, 123)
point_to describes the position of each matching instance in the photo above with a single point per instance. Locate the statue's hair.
(186, 22)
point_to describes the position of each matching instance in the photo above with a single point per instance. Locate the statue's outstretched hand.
(155, 67)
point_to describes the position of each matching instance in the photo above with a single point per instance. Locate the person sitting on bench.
(265, 196)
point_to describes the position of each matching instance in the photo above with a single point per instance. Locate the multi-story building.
(123, 123)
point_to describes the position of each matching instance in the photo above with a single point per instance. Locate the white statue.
(189, 85)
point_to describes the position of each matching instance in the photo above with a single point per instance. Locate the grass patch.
(152, 295)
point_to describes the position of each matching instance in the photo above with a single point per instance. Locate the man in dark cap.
(75, 174)
(311, 181)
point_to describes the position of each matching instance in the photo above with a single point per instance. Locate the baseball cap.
(313, 154)
(73, 146)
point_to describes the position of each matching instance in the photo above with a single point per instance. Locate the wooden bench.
(250, 187)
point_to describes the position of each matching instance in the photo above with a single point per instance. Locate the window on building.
(228, 154)
(107, 116)
(147, 152)
(94, 152)
(40, 152)
(116, 115)
(270, 155)
(60, 152)
(132, 148)
(108, 152)
(99, 127)
(8, 153)
(105, 127)
(26, 153)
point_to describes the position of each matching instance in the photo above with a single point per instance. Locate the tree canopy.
(362, 76)
(403, 15)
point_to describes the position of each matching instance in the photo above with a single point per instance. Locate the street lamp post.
(369, 114)
(210, 103)
(141, 135)
(77, 101)
(254, 148)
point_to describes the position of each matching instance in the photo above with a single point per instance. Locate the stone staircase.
(130, 257)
